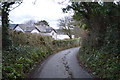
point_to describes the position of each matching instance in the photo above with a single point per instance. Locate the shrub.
(20, 60)
(20, 38)
(101, 63)
(68, 42)
(28, 49)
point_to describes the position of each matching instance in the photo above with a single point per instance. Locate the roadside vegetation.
(65, 44)
(21, 51)
(27, 50)
(100, 63)
(100, 50)
(100, 46)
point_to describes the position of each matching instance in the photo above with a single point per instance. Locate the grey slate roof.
(41, 28)
(12, 26)
(26, 28)
(45, 29)
(49, 29)
(29, 28)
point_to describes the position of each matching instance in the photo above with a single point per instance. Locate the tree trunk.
(70, 36)
(6, 42)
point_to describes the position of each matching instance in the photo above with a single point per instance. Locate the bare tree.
(66, 25)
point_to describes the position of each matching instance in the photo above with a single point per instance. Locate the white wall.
(54, 35)
(48, 34)
(61, 37)
(35, 31)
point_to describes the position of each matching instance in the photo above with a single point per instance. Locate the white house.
(43, 30)
(54, 34)
(50, 32)
(47, 30)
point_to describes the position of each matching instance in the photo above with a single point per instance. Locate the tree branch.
(19, 3)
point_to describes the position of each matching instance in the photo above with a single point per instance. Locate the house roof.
(29, 28)
(26, 28)
(37, 29)
(45, 29)
(42, 28)
(12, 26)
(49, 29)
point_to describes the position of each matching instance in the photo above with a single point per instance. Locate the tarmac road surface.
(63, 64)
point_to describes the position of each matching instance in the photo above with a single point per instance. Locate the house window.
(52, 33)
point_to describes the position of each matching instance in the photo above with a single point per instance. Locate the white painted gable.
(35, 31)
(54, 34)
(18, 29)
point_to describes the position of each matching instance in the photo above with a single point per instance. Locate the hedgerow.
(100, 63)
(27, 50)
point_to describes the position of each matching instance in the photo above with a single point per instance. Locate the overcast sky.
(48, 10)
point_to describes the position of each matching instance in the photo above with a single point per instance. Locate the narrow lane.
(64, 64)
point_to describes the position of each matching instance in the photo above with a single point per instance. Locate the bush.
(68, 42)
(20, 60)
(101, 63)
(20, 38)
(27, 49)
